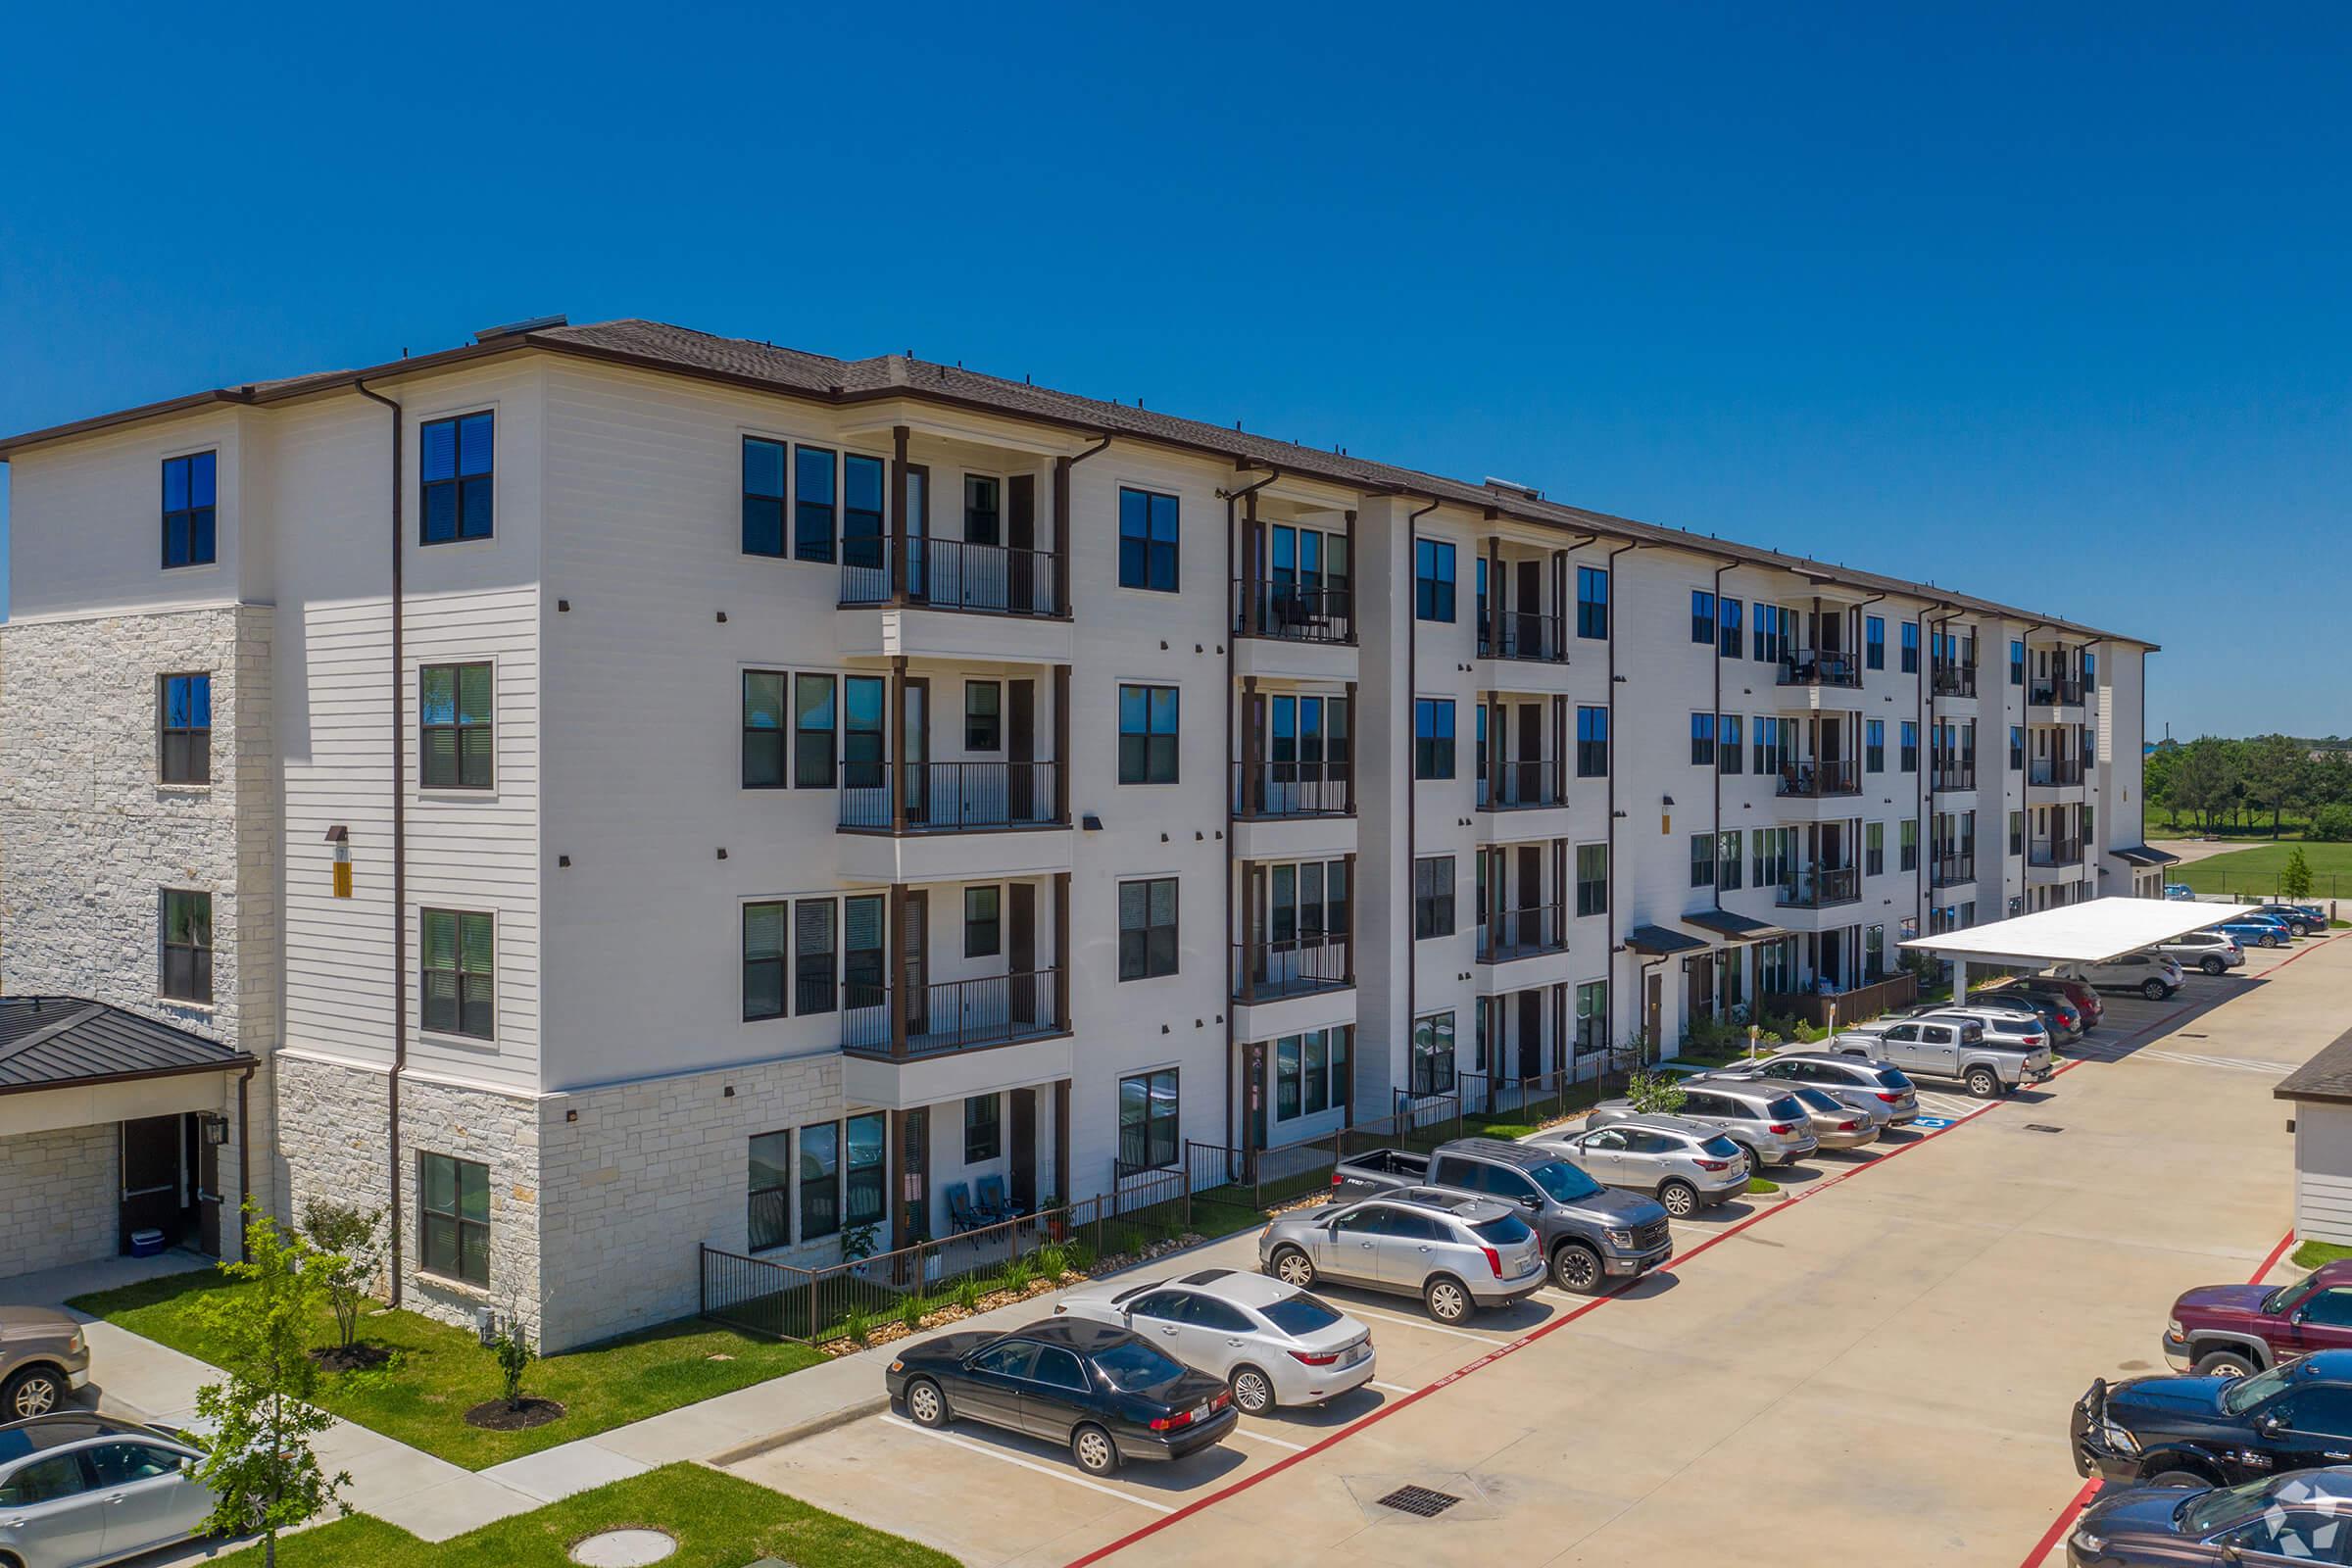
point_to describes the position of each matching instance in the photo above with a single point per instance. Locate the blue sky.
(2047, 303)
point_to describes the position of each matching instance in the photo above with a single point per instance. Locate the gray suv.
(1456, 1253)
(1687, 1165)
(1768, 1123)
(1860, 1083)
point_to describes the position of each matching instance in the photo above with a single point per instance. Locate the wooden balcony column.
(894, 743)
(895, 544)
(1348, 937)
(893, 994)
(1348, 783)
(1062, 950)
(1254, 793)
(1061, 745)
(1254, 566)
(1249, 872)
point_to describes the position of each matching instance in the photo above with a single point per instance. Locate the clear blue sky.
(2047, 303)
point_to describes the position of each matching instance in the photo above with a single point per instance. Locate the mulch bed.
(496, 1415)
(351, 1358)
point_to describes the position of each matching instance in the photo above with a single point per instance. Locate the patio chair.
(962, 1215)
(994, 1202)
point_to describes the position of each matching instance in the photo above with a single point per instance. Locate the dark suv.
(2216, 1431)
(2232, 1330)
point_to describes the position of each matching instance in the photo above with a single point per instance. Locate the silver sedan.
(77, 1489)
(1273, 1343)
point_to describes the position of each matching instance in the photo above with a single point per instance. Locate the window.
(981, 512)
(2017, 662)
(1874, 746)
(1726, 615)
(1146, 734)
(1433, 580)
(1433, 736)
(457, 460)
(1146, 540)
(762, 500)
(1591, 743)
(861, 951)
(868, 1139)
(861, 511)
(454, 711)
(1910, 647)
(820, 1180)
(460, 973)
(190, 486)
(1592, 602)
(814, 955)
(453, 1197)
(1702, 859)
(1727, 754)
(1907, 846)
(1309, 1072)
(1873, 954)
(1775, 854)
(1592, 1017)
(764, 961)
(768, 1191)
(184, 729)
(1147, 928)
(1433, 1054)
(1433, 897)
(1909, 759)
(1874, 849)
(983, 923)
(1873, 642)
(983, 715)
(983, 1128)
(861, 732)
(1727, 860)
(813, 725)
(1591, 879)
(812, 502)
(1702, 740)
(2017, 832)
(1772, 634)
(1147, 1120)
(762, 729)
(187, 956)
(1702, 618)
(2016, 748)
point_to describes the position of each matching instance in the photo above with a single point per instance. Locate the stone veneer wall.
(58, 1198)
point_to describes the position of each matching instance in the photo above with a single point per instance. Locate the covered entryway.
(2069, 936)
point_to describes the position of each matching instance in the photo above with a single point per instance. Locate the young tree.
(257, 1425)
(342, 1238)
(2294, 882)
(1656, 1093)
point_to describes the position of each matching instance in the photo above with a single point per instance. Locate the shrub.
(2294, 881)
(1018, 1274)
(967, 1294)
(857, 1325)
(1054, 1260)
(1654, 1094)
(516, 1353)
(2333, 823)
(1080, 1256)
(342, 1237)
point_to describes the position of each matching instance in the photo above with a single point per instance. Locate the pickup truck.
(1589, 1233)
(2234, 1331)
(1955, 1051)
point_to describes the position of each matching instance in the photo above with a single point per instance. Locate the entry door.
(916, 525)
(1527, 599)
(1528, 786)
(1653, 1007)
(1020, 750)
(1699, 987)
(915, 963)
(1531, 1034)
(917, 782)
(1020, 536)
(1024, 1148)
(151, 1172)
(1020, 950)
(1831, 752)
(1530, 895)
(208, 1187)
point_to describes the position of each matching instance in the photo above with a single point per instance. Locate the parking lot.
(1875, 1366)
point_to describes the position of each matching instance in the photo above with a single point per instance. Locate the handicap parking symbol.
(1933, 1122)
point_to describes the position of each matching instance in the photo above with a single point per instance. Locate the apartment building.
(604, 790)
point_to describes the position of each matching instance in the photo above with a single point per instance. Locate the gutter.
(1232, 653)
(244, 1154)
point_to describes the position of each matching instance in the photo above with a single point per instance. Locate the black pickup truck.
(1591, 1232)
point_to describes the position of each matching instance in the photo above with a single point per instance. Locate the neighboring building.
(2320, 1095)
(805, 784)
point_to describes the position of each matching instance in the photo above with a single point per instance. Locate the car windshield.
(1720, 1146)
(1892, 1078)
(1785, 1108)
(1817, 1100)
(1301, 1314)
(1506, 1230)
(2247, 1392)
(2210, 1510)
(1136, 1365)
(1563, 1181)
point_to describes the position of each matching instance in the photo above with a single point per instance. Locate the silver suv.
(1687, 1165)
(1863, 1084)
(1456, 1253)
(1768, 1123)
(2214, 951)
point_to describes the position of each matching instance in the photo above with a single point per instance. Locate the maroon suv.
(2236, 1330)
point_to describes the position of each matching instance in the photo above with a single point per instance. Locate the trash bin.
(146, 1244)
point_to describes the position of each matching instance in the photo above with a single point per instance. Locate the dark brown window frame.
(197, 766)
(457, 728)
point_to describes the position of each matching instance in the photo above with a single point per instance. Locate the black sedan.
(1105, 1394)
(2207, 1432)
(2300, 1518)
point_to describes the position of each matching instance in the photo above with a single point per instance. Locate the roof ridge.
(81, 1014)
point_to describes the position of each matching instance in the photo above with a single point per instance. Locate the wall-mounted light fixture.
(340, 837)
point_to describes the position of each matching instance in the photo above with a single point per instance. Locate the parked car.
(2061, 1017)
(1771, 1125)
(2017, 1025)
(2178, 890)
(1105, 1394)
(1273, 1343)
(1458, 1253)
(2302, 1518)
(2213, 1430)
(1687, 1165)
(77, 1489)
(44, 1357)
(2084, 997)
(2254, 931)
(2234, 1330)
(1955, 1050)
(2214, 951)
(2151, 974)
(2300, 921)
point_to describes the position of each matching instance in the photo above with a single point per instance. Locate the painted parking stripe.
(1241, 1431)
(905, 1425)
(2233, 1063)
(1387, 1388)
(1415, 1323)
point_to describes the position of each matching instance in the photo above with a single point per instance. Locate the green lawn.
(2311, 1254)
(718, 1521)
(438, 1373)
(2256, 870)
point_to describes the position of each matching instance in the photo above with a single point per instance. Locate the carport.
(2096, 931)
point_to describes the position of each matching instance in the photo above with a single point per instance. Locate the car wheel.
(1447, 1299)
(1679, 1199)
(1984, 1083)
(2213, 966)
(925, 1404)
(2175, 1478)
(1294, 1267)
(35, 1391)
(2153, 990)
(1252, 1391)
(2226, 1364)
(1093, 1450)
(1576, 1267)
(2270, 939)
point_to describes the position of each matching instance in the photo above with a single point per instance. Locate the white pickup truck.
(1956, 1051)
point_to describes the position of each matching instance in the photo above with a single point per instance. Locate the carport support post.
(1959, 981)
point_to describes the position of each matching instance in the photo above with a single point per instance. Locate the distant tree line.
(2239, 782)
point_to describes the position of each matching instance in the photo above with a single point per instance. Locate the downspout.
(1412, 804)
(1232, 653)
(400, 854)
(244, 1155)
(1610, 948)
(1061, 557)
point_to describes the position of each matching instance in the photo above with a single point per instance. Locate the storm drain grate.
(1427, 1502)
(2043, 1127)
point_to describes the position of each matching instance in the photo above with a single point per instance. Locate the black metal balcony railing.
(1293, 612)
(951, 797)
(954, 574)
(1955, 773)
(1292, 789)
(1508, 933)
(1955, 680)
(1524, 634)
(954, 1015)
(1515, 785)
(1811, 667)
(2055, 770)
(1821, 888)
(1263, 971)
(1951, 869)
(2054, 851)
(2066, 691)
(1817, 780)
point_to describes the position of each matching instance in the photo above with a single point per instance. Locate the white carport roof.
(2091, 932)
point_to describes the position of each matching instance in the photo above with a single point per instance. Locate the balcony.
(1524, 635)
(2054, 852)
(1816, 781)
(2055, 772)
(950, 796)
(953, 1015)
(1957, 773)
(1267, 971)
(953, 574)
(1822, 889)
(1291, 612)
(1521, 785)
(1955, 680)
(1525, 933)
(1951, 870)
(2064, 691)
(1809, 666)
(1277, 789)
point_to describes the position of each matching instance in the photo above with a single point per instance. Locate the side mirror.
(2272, 1424)
(1530, 1200)
(2230, 1552)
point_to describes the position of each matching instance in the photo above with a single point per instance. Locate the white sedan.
(1273, 1343)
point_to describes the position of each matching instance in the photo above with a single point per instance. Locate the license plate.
(1201, 1412)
